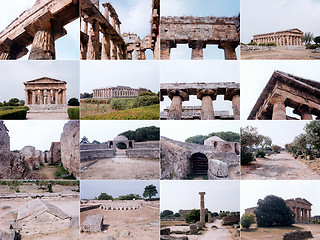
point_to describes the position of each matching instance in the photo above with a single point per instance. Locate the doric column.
(56, 98)
(43, 46)
(229, 50)
(106, 11)
(234, 96)
(207, 96)
(119, 52)
(129, 55)
(41, 97)
(33, 96)
(304, 111)
(177, 97)
(93, 43)
(202, 209)
(105, 53)
(279, 107)
(64, 97)
(48, 96)
(197, 49)
(309, 219)
(165, 48)
(114, 50)
(26, 98)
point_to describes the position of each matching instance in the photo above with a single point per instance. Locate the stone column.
(202, 209)
(48, 96)
(229, 50)
(114, 50)
(304, 111)
(309, 215)
(43, 46)
(209, 217)
(234, 96)
(33, 96)
(93, 43)
(207, 96)
(41, 97)
(64, 97)
(129, 55)
(105, 53)
(279, 107)
(197, 49)
(57, 97)
(165, 48)
(26, 94)
(177, 97)
(106, 11)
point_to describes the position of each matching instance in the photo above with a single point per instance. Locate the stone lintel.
(231, 92)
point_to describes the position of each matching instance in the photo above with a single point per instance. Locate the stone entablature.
(206, 92)
(40, 26)
(300, 206)
(45, 91)
(197, 32)
(286, 90)
(290, 37)
(117, 92)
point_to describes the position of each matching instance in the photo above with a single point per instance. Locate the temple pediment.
(44, 80)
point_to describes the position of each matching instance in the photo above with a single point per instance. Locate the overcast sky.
(220, 195)
(199, 8)
(67, 47)
(181, 130)
(256, 74)
(37, 133)
(14, 73)
(103, 131)
(200, 71)
(89, 189)
(100, 74)
(276, 15)
(252, 191)
(281, 132)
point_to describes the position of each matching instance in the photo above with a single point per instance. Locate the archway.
(199, 164)
(130, 144)
(121, 145)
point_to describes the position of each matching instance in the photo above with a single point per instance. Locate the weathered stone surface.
(297, 235)
(231, 220)
(153, 153)
(165, 237)
(93, 223)
(124, 233)
(70, 147)
(117, 92)
(4, 139)
(55, 151)
(12, 235)
(29, 155)
(109, 238)
(165, 231)
(193, 229)
(37, 159)
(217, 169)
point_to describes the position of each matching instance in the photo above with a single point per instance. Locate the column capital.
(207, 92)
(200, 44)
(176, 92)
(277, 98)
(202, 193)
(230, 93)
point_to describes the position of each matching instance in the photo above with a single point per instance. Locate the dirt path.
(278, 167)
(121, 167)
(221, 232)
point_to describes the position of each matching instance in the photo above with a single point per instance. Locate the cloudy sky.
(103, 131)
(281, 132)
(199, 8)
(181, 130)
(67, 47)
(252, 191)
(199, 71)
(256, 74)
(14, 73)
(89, 189)
(220, 195)
(37, 133)
(100, 74)
(276, 15)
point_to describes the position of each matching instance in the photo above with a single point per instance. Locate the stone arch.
(110, 144)
(199, 164)
(237, 148)
(215, 144)
(226, 147)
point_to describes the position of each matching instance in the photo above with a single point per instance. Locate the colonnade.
(280, 40)
(302, 214)
(45, 96)
(114, 92)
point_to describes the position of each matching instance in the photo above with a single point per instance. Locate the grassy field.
(94, 111)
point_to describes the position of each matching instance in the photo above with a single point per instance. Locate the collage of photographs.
(102, 109)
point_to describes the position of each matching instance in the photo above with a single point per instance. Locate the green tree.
(313, 133)
(198, 139)
(150, 191)
(272, 211)
(84, 140)
(166, 213)
(96, 142)
(193, 215)
(228, 136)
(104, 196)
(21, 102)
(250, 138)
(247, 219)
(177, 214)
(317, 40)
(266, 142)
(73, 102)
(130, 196)
(143, 134)
(307, 37)
(147, 94)
(14, 102)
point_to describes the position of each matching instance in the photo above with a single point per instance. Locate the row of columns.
(197, 47)
(114, 92)
(55, 96)
(302, 214)
(281, 40)
(206, 96)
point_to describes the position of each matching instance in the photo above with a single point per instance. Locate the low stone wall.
(247, 48)
(38, 195)
(86, 208)
(151, 144)
(93, 146)
(297, 235)
(50, 108)
(153, 153)
(87, 155)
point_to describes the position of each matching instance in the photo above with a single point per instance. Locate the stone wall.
(87, 155)
(149, 144)
(70, 147)
(4, 138)
(90, 146)
(153, 153)
(55, 151)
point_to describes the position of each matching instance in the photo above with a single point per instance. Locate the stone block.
(217, 168)
(193, 229)
(93, 223)
(165, 231)
(297, 235)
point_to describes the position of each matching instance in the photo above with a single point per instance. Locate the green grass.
(62, 171)
(141, 113)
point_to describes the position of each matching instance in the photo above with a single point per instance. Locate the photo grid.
(123, 119)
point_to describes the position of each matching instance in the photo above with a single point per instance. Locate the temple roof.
(44, 80)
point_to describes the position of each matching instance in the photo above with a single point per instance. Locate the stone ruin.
(93, 223)
(231, 220)
(286, 90)
(117, 92)
(178, 159)
(207, 93)
(197, 32)
(121, 206)
(114, 45)
(297, 235)
(149, 150)
(39, 26)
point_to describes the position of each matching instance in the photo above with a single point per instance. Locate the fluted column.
(49, 96)
(309, 215)
(304, 111)
(26, 94)
(93, 43)
(177, 97)
(33, 96)
(105, 53)
(207, 96)
(202, 209)
(56, 97)
(279, 107)
(41, 97)
(114, 50)
(64, 97)
(229, 50)
(165, 48)
(197, 49)
(234, 96)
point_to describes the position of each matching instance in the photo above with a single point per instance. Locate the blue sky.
(89, 189)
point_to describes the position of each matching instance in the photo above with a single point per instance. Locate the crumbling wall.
(55, 153)
(153, 153)
(297, 235)
(87, 155)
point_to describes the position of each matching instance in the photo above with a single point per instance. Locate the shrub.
(247, 219)
(74, 113)
(260, 154)
(252, 43)
(15, 113)
(147, 94)
(272, 44)
(246, 157)
(129, 103)
(312, 46)
(193, 215)
(73, 102)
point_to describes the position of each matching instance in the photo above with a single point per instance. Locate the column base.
(53, 108)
